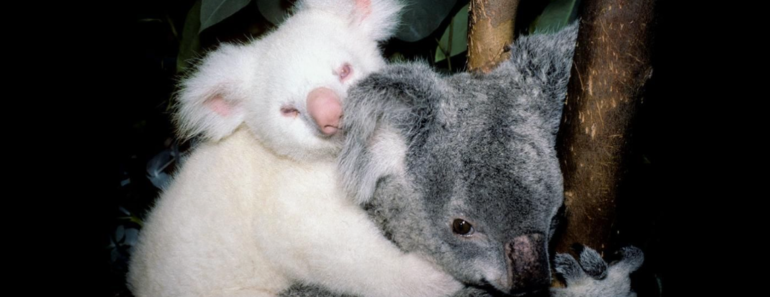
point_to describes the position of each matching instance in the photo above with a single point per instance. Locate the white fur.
(239, 220)
(257, 78)
(257, 206)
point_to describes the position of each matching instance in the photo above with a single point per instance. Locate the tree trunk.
(490, 31)
(611, 67)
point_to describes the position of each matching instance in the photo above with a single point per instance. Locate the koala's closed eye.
(289, 111)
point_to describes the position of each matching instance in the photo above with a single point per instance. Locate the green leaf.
(275, 11)
(190, 44)
(215, 11)
(454, 41)
(150, 20)
(397, 57)
(420, 18)
(555, 16)
(133, 219)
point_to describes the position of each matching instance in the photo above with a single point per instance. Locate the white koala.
(257, 206)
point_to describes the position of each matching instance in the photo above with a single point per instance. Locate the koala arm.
(301, 290)
(591, 276)
(365, 262)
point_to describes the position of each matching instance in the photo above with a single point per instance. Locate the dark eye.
(462, 227)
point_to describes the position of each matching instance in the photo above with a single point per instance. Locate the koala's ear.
(384, 115)
(376, 18)
(211, 99)
(540, 64)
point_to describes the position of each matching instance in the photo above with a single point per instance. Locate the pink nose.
(325, 108)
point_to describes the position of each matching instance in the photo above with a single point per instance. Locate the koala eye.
(344, 71)
(289, 111)
(462, 227)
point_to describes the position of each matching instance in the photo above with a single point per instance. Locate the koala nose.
(325, 108)
(527, 263)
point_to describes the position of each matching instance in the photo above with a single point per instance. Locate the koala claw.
(631, 259)
(569, 268)
(593, 277)
(592, 263)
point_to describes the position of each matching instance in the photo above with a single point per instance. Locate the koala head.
(288, 87)
(463, 169)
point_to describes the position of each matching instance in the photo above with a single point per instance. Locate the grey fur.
(473, 147)
(479, 147)
(588, 279)
(593, 264)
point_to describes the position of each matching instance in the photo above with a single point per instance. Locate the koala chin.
(257, 206)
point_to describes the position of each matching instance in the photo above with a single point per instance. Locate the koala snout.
(527, 263)
(325, 108)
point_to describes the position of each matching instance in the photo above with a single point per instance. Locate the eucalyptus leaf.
(150, 20)
(272, 11)
(190, 44)
(421, 17)
(137, 220)
(156, 167)
(558, 14)
(120, 235)
(132, 234)
(458, 30)
(215, 11)
(133, 219)
(114, 255)
(397, 57)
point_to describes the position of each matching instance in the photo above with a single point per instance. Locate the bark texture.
(490, 31)
(611, 68)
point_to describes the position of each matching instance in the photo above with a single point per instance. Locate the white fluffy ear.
(210, 100)
(375, 18)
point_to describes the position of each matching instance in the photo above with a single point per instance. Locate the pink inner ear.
(364, 7)
(218, 105)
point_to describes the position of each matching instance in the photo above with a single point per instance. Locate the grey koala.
(463, 170)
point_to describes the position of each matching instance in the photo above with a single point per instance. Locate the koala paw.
(593, 277)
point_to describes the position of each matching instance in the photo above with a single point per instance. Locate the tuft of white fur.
(257, 207)
(221, 73)
(379, 21)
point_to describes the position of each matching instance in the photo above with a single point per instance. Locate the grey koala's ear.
(382, 114)
(540, 65)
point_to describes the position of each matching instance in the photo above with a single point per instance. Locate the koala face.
(313, 61)
(489, 181)
(289, 86)
(464, 168)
